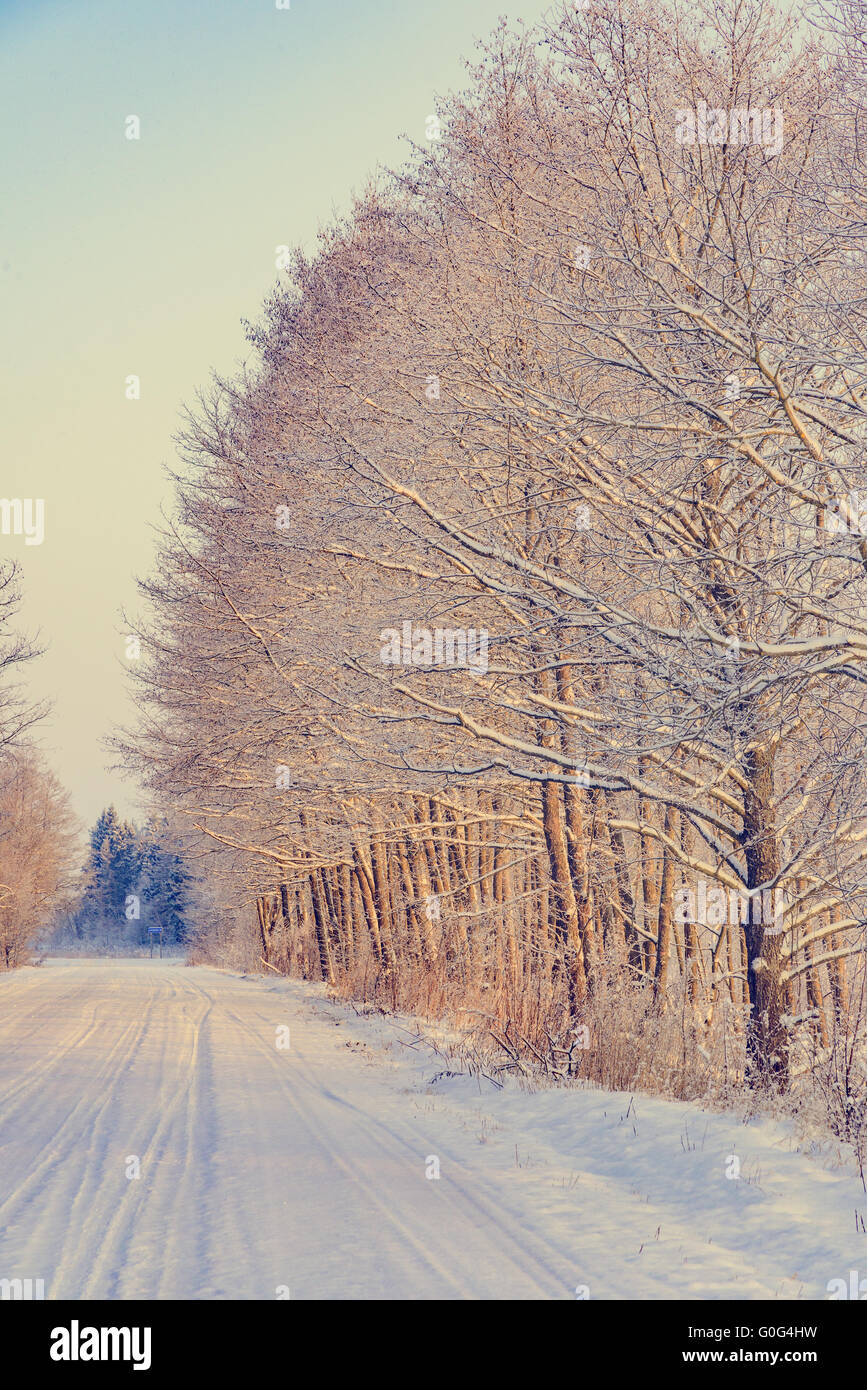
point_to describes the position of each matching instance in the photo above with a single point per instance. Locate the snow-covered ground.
(270, 1171)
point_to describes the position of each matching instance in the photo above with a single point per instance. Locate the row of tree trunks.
(477, 892)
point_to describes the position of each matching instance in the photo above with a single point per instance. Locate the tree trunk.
(767, 1042)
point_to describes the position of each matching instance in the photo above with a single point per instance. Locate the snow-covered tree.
(165, 883)
(111, 877)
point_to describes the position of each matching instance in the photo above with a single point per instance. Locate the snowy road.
(266, 1168)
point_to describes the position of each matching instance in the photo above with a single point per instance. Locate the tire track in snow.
(79, 1120)
(429, 1253)
(509, 1233)
(146, 1210)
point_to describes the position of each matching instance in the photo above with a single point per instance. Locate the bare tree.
(529, 559)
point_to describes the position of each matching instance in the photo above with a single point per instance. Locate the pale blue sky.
(121, 257)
